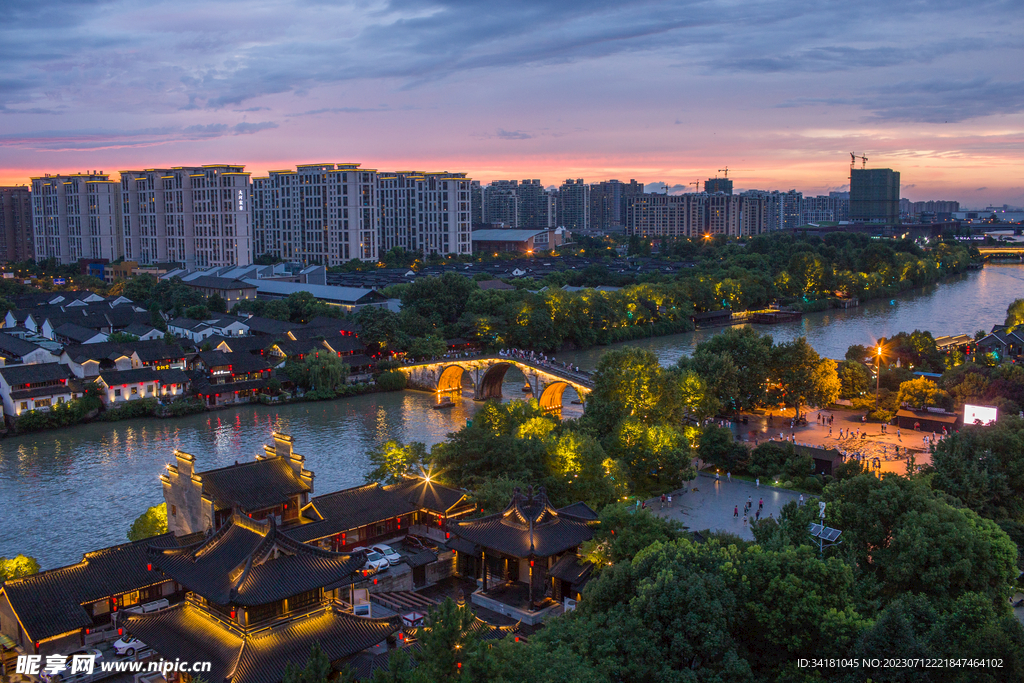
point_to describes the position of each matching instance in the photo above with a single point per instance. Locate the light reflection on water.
(65, 492)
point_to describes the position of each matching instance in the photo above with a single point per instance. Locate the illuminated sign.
(241, 201)
(984, 415)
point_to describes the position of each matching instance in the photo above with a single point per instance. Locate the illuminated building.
(16, 243)
(427, 213)
(75, 216)
(198, 216)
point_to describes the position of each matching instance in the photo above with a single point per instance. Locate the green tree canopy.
(152, 522)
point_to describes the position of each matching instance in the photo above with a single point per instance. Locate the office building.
(199, 216)
(75, 217)
(715, 185)
(16, 242)
(874, 195)
(428, 213)
(695, 215)
(608, 203)
(574, 205)
(323, 214)
(538, 208)
(501, 203)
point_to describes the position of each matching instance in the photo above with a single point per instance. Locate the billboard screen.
(979, 414)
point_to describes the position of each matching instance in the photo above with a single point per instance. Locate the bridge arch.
(551, 398)
(490, 383)
(450, 379)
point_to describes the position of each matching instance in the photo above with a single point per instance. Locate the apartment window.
(117, 393)
(24, 405)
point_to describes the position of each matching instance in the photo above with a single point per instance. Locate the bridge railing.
(582, 378)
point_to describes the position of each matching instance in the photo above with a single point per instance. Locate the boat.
(576, 402)
(527, 389)
(444, 404)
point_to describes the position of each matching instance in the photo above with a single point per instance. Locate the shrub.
(186, 406)
(126, 411)
(392, 380)
(812, 484)
(33, 421)
(321, 395)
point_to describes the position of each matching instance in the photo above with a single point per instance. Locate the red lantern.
(447, 535)
(120, 631)
(232, 614)
(149, 567)
(375, 581)
(531, 563)
(87, 631)
(517, 639)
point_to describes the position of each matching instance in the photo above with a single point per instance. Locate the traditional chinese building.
(257, 600)
(517, 554)
(274, 485)
(62, 609)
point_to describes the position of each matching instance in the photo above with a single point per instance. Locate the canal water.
(65, 492)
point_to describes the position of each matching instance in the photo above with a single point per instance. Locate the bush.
(321, 395)
(717, 446)
(779, 459)
(142, 408)
(33, 421)
(812, 484)
(186, 406)
(392, 380)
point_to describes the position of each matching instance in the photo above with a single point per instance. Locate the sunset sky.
(780, 92)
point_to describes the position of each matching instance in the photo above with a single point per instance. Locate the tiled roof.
(242, 362)
(528, 526)
(259, 342)
(427, 495)
(269, 326)
(75, 332)
(362, 505)
(139, 329)
(213, 359)
(352, 508)
(16, 375)
(570, 569)
(579, 510)
(253, 563)
(252, 485)
(345, 344)
(184, 632)
(13, 346)
(134, 376)
(187, 323)
(51, 603)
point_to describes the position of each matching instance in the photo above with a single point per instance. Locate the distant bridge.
(1013, 251)
(547, 383)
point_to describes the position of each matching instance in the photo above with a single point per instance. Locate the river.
(65, 492)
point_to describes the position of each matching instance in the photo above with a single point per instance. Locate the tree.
(439, 299)
(152, 522)
(804, 376)
(854, 379)
(122, 337)
(392, 462)
(322, 371)
(317, 669)
(17, 567)
(216, 303)
(427, 347)
(450, 649)
(735, 365)
(718, 447)
(1015, 314)
(921, 392)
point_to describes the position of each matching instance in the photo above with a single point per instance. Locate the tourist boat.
(527, 389)
(444, 404)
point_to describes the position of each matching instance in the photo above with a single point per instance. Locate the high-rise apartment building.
(874, 195)
(426, 212)
(574, 205)
(323, 214)
(75, 216)
(501, 203)
(476, 203)
(16, 243)
(833, 208)
(608, 203)
(199, 216)
(695, 215)
(538, 208)
(715, 185)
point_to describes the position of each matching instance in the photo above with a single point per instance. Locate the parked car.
(374, 560)
(128, 646)
(389, 554)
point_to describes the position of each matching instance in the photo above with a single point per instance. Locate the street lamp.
(878, 373)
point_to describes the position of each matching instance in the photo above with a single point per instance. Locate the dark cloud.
(512, 134)
(96, 139)
(980, 189)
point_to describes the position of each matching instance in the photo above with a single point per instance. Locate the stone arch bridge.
(547, 383)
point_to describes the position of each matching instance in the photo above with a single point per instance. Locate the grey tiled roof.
(253, 563)
(51, 603)
(252, 486)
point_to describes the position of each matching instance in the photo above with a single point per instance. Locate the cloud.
(344, 110)
(980, 189)
(85, 140)
(512, 134)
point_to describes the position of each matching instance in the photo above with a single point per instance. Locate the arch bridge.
(548, 384)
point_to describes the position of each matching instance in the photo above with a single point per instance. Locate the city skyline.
(660, 92)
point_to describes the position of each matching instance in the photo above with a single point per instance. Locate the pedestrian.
(757, 517)
(718, 477)
(728, 476)
(830, 430)
(736, 511)
(757, 482)
(644, 505)
(898, 435)
(744, 520)
(670, 501)
(801, 499)
(760, 503)
(663, 501)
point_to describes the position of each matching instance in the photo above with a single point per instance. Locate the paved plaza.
(873, 444)
(711, 506)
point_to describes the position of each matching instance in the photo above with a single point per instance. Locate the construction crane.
(853, 160)
(725, 171)
(696, 185)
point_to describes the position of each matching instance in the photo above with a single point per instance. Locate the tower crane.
(696, 185)
(853, 160)
(725, 171)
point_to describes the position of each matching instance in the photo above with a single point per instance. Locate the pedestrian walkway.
(711, 506)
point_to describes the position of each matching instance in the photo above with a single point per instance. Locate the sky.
(665, 92)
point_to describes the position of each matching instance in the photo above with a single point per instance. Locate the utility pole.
(878, 373)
